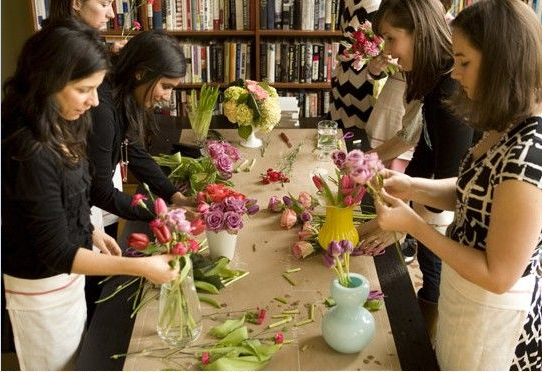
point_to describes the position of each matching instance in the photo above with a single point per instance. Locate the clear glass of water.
(327, 138)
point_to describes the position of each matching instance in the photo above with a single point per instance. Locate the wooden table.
(407, 347)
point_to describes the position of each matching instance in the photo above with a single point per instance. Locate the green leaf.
(245, 363)
(373, 305)
(244, 131)
(235, 337)
(227, 327)
(251, 102)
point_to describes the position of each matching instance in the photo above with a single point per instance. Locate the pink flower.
(288, 218)
(193, 246)
(346, 185)
(261, 316)
(302, 249)
(279, 338)
(275, 204)
(317, 180)
(160, 207)
(179, 249)
(304, 235)
(137, 199)
(197, 226)
(205, 358)
(137, 25)
(305, 199)
(307, 226)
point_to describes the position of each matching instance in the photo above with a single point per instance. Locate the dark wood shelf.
(279, 85)
(208, 34)
(299, 33)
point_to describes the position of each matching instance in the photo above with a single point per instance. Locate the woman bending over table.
(490, 303)
(46, 231)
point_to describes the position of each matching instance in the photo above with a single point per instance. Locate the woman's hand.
(118, 45)
(105, 243)
(157, 269)
(397, 184)
(393, 214)
(187, 203)
(377, 65)
(374, 240)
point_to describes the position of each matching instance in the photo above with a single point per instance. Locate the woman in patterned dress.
(490, 303)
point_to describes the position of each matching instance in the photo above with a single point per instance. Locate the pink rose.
(288, 218)
(305, 199)
(302, 249)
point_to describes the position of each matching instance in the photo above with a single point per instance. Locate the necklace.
(124, 160)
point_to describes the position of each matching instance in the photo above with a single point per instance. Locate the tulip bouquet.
(179, 316)
(356, 172)
(337, 256)
(252, 106)
(224, 208)
(193, 175)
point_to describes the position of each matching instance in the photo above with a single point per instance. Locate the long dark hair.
(509, 82)
(151, 55)
(60, 9)
(60, 53)
(432, 55)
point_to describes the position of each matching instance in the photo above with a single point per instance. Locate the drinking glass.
(327, 138)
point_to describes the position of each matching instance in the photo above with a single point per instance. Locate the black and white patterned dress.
(517, 156)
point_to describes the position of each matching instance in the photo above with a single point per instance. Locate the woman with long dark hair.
(46, 231)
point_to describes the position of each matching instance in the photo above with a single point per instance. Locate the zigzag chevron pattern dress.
(351, 93)
(518, 156)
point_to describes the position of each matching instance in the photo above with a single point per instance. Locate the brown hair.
(510, 76)
(425, 21)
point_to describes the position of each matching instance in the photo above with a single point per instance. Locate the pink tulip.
(160, 207)
(302, 249)
(288, 218)
(193, 246)
(160, 231)
(317, 180)
(179, 249)
(138, 241)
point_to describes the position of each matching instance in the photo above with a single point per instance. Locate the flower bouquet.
(293, 210)
(193, 175)
(356, 172)
(179, 319)
(200, 112)
(223, 210)
(253, 106)
(363, 46)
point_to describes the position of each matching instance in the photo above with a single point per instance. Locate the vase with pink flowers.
(356, 173)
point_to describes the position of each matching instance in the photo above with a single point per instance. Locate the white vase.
(252, 141)
(221, 243)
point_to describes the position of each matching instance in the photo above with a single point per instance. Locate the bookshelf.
(293, 74)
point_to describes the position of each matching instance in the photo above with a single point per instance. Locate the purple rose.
(233, 221)
(231, 151)
(253, 209)
(232, 204)
(224, 164)
(214, 219)
(215, 149)
(217, 207)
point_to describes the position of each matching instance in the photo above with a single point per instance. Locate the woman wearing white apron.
(490, 303)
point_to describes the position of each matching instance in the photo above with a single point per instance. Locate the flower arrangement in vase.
(193, 175)
(253, 106)
(356, 172)
(179, 315)
(223, 210)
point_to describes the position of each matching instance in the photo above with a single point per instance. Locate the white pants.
(478, 329)
(48, 319)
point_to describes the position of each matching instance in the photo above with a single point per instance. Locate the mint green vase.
(348, 327)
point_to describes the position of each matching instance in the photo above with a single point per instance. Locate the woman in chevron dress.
(490, 292)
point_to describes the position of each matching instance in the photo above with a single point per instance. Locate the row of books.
(459, 5)
(299, 61)
(311, 104)
(199, 15)
(300, 14)
(217, 62)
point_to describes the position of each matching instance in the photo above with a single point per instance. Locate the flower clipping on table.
(251, 105)
(193, 175)
(224, 208)
(356, 172)
(293, 210)
(364, 45)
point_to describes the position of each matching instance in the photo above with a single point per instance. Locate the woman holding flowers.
(416, 33)
(46, 229)
(490, 304)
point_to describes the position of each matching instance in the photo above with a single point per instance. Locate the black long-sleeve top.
(45, 211)
(104, 152)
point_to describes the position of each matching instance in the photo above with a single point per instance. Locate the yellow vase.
(339, 225)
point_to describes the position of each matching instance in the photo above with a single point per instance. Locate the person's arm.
(514, 228)
(154, 268)
(407, 137)
(102, 143)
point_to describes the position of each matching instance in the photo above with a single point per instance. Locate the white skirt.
(478, 329)
(48, 319)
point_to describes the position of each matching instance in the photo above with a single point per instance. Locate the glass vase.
(179, 311)
(338, 225)
(200, 122)
(348, 327)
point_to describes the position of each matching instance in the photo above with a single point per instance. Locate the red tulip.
(317, 180)
(193, 246)
(160, 231)
(138, 241)
(179, 249)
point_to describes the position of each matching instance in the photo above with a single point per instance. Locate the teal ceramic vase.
(348, 327)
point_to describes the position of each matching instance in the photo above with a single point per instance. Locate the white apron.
(467, 335)
(48, 319)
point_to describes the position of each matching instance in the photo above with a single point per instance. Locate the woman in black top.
(46, 231)
(145, 73)
(416, 32)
